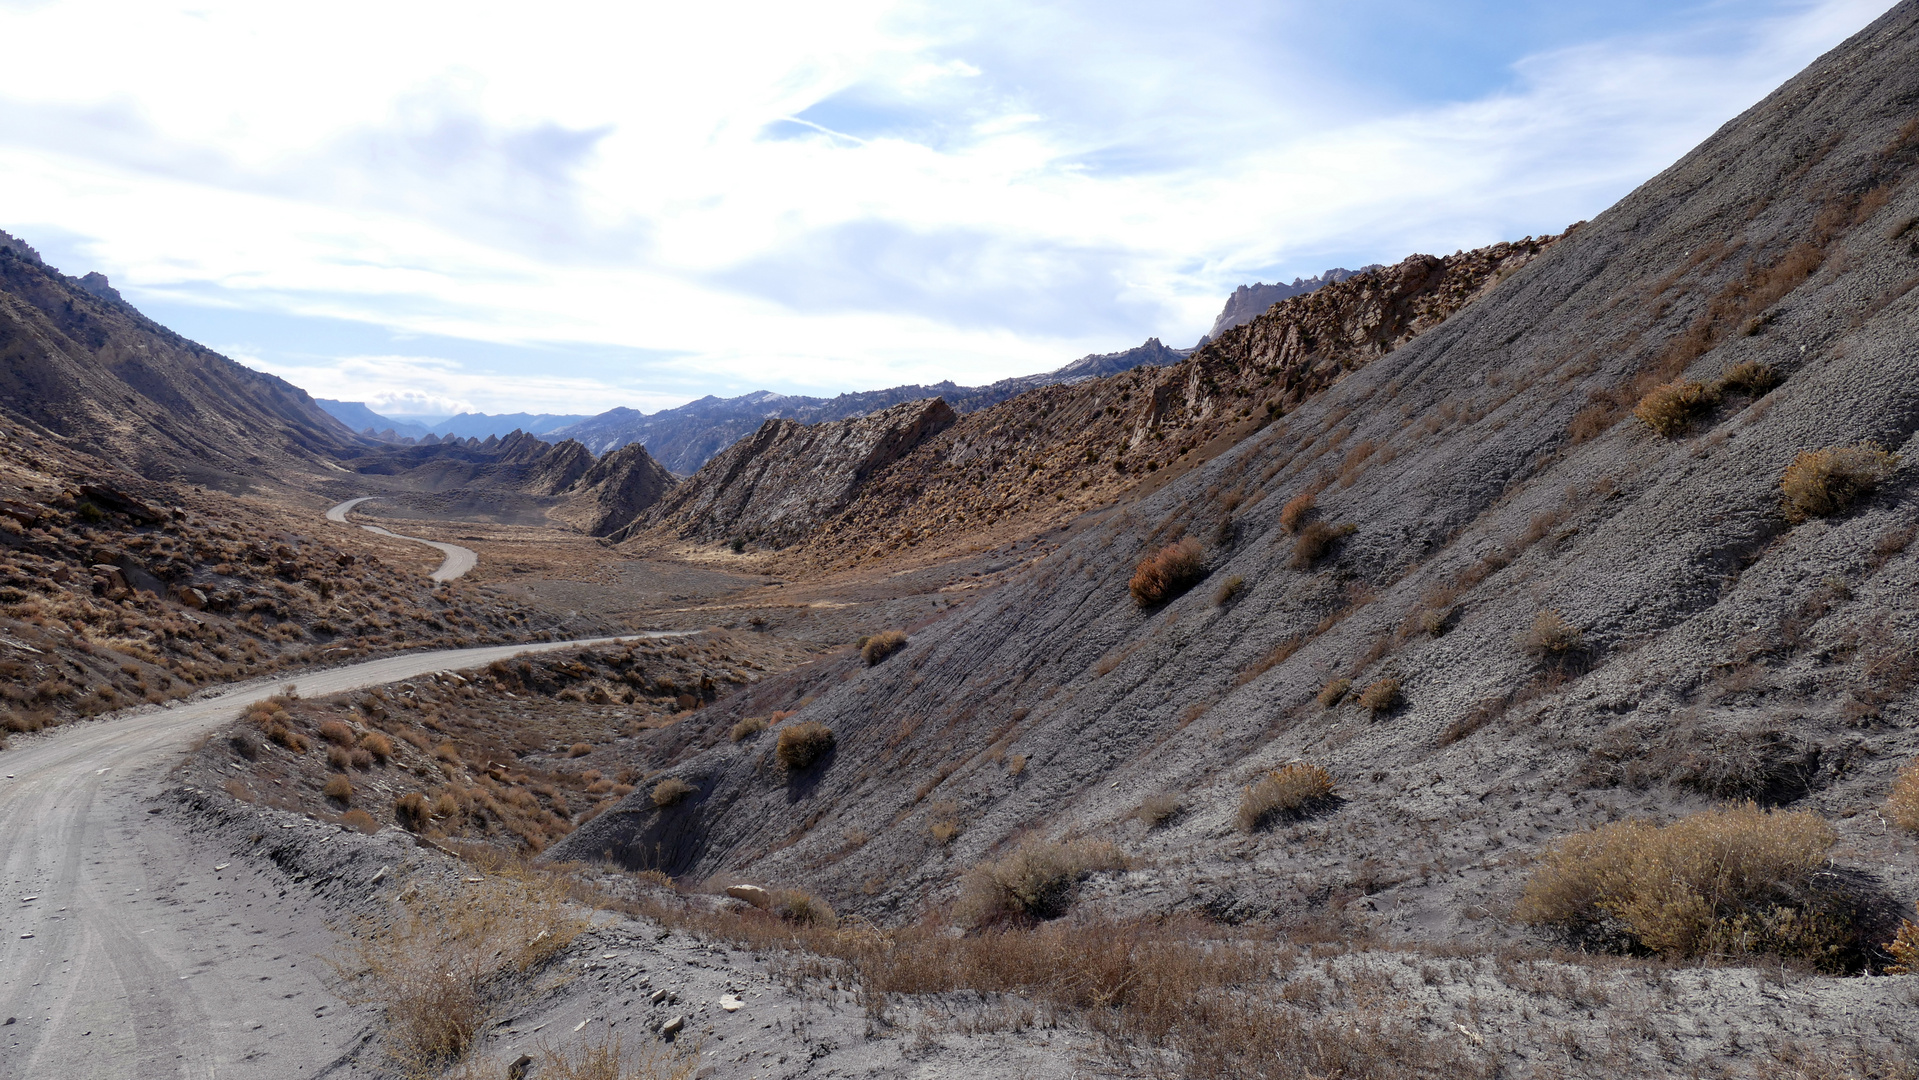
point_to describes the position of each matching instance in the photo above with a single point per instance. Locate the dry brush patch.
(1294, 790)
(1825, 483)
(801, 745)
(1037, 881)
(1168, 572)
(881, 645)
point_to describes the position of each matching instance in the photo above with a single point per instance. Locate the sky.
(564, 207)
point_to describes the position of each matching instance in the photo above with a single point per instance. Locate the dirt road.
(458, 559)
(124, 955)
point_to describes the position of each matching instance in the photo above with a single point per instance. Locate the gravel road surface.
(458, 559)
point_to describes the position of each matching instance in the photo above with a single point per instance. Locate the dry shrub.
(337, 732)
(1823, 483)
(1551, 637)
(1037, 881)
(1433, 622)
(1904, 949)
(882, 645)
(1334, 692)
(360, 821)
(378, 745)
(1314, 541)
(579, 749)
(802, 744)
(338, 787)
(1731, 881)
(671, 792)
(444, 965)
(1157, 810)
(803, 909)
(1292, 791)
(338, 759)
(609, 1060)
(411, 811)
(748, 728)
(450, 753)
(1228, 590)
(1670, 408)
(1902, 806)
(1380, 695)
(1293, 515)
(1168, 572)
(1751, 378)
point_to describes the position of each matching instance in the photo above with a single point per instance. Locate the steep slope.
(614, 490)
(91, 368)
(1026, 465)
(686, 438)
(780, 483)
(1489, 472)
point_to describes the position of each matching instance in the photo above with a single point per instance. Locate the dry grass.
(1293, 515)
(1157, 810)
(1381, 695)
(1552, 637)
(747, 728)
(412, 811)
(360, 821)
(1902, 805)
(607, 1059)
(338, 787)
(1039, 880)
(671, 792)
(1334, 692)
(1315, 541)
(1824, 483)
(1725, 882)
(442, 966)
(1229, 590)
(1291, 791)
(1904, 949)
(882, 645)
(802, 744)
(1751, 378)
(1671, 408)
(1168, 572)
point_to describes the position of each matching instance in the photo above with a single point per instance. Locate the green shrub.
(1292, 790)
(1730, 881)
(802, 744)
(1168, 572)
(1824, 483)
(881, 645)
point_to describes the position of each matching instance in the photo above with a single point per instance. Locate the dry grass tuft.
(1671, 407)
(1037, 881)
(1291, 791)
(1294, 514)
(1824, 483)
(1334, 692)
(671, 792)
(378, 745)
(579, 749)
(360, 821)
(1751, 378)
(802, 744)
(747, 728)
(1168, 572)
(1380, 695)
(609, 1060)
(338, 787)
(1229, 590)
(1904, 949)
(882, 645)
(337, 732)
(411, 811)
(1315, 541)
(1731, 881)
(1157, 810)
(1902, 805)
(1552, 637)
(445, 963)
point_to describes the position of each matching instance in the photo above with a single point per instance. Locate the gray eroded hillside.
(1490, 470)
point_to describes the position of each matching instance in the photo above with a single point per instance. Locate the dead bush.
(882, 645)
(378, 745)
(1902, 805)
(671, 792)
(337, 732)
(1551, 637)
(1315, 541)
(802, 744)
(1671, 407)
(1751, 378)
(411, 811)
(1037, 881)
(1824, 483)
(748, 728)
(1904, 949)
(441, 968)
(1294, 514)
(1292, 791)
(1381, 695)
(338, 787)
(1168, 572)
(609, 1060)
(1334, 692)
(337, 758)
(804, 909)
(1228, 590)
(1732, 881)
(1157, 810)
(360, 821)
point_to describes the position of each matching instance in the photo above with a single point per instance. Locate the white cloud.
(1021, 185)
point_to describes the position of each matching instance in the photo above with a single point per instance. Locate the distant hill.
(356, 415)
(480, 425)
(686, 438)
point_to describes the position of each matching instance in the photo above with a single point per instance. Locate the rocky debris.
(781, 483)
(1250, 301)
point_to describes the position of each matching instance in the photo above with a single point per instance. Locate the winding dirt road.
(458, 559)
(124, 954)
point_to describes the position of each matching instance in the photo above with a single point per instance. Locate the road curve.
(123, 957)
(458, 559)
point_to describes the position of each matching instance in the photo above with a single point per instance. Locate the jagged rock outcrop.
(780, 483)
(1248, 302)
(617, 489)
